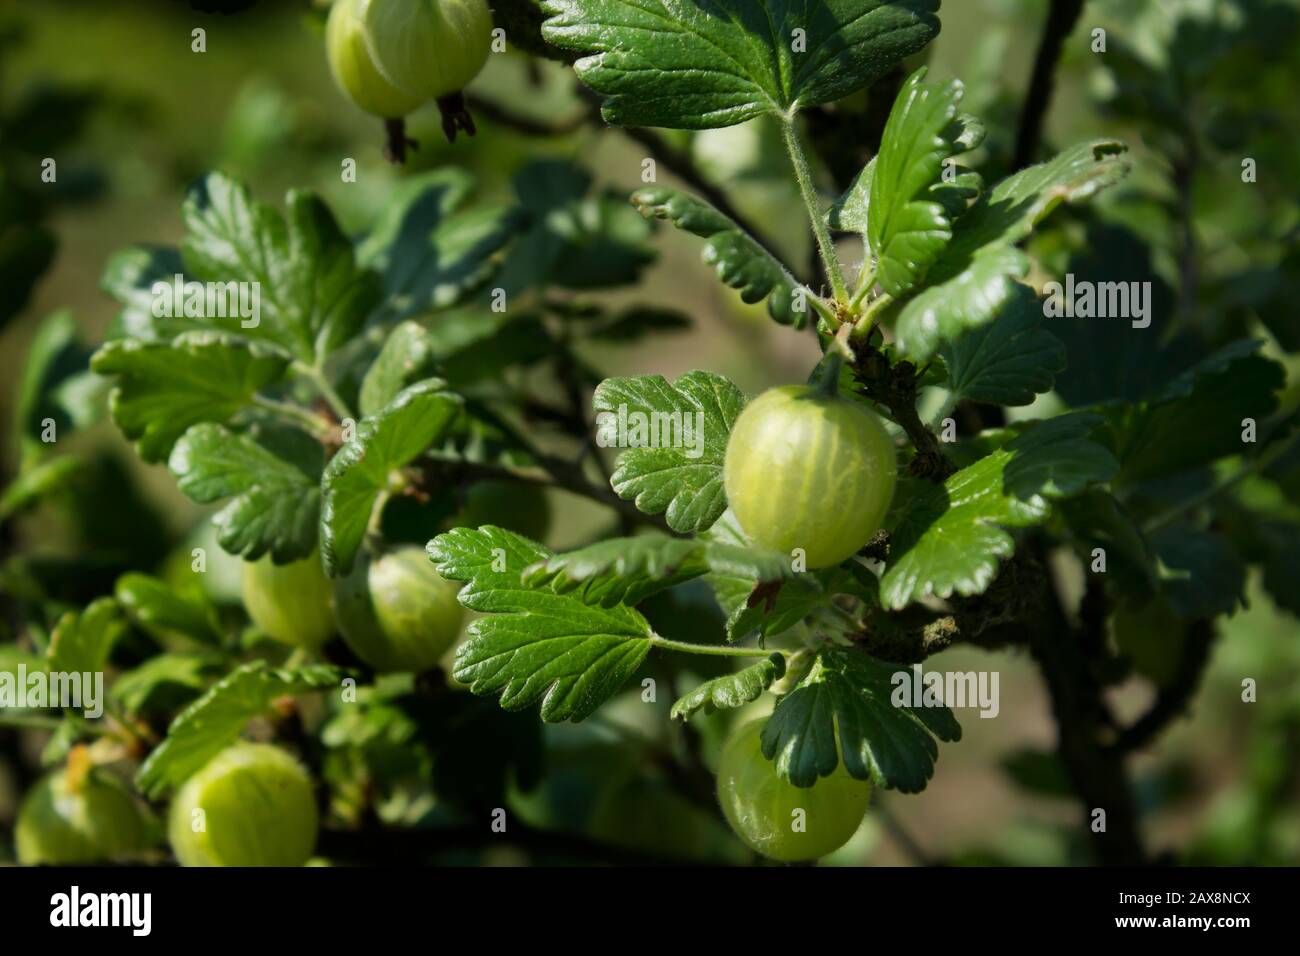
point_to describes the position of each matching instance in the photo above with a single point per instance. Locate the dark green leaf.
(1010, 360)
(738, 259)
(1200, 572)
(430, 252)
(1198, 416)
(535, 645)
(843, 709)
(731, 690)
(393, 437)
(698, 66)
(312, 295)
(272, 477)
(215, 720)
(949, 539)
(668, 472)
(165, 387)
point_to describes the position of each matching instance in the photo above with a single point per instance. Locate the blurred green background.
(113, 90)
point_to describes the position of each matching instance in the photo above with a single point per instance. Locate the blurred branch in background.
(1061, 18)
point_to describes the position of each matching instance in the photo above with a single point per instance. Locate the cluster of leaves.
(380, 374)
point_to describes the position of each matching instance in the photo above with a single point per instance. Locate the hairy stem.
(295, 414)
(316, 376)
(716, 650)
(803, 173)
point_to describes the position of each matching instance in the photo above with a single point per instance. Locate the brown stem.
(526, 125)
(895, 387)
(1083, 724)
(1174, 697)
(1061, 18)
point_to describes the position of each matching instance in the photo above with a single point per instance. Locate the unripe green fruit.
(760, 806)
(808, 470)
(290, 602)
(428, 48)
(396, 612)
(354, 71)
(258, 810)
(63, 823)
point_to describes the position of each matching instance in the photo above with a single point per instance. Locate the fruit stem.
(803, 173)
(869, 315)
(714, 649)
(293, 413)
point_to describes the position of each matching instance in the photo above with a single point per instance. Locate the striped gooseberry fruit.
(807, 469)
(354, 71)
(291, 602)
(776, 818)
(396, 612)
(428, 48)
(251, 805)
(79, 815)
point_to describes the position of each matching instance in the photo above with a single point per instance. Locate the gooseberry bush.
(382, 445)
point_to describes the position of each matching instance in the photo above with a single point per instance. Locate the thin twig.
(1061, 18)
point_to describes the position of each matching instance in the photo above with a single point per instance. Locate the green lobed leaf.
(215, 720)
(534, 644)
(1197, 417)
(81, 640)
(391, 438)
(271, 475)
(1008, 213)
(688, 65)
(843, 709)
(805, 600)
(165, 387)
(731, 690)
(430, 252)
(627, 570)
(166, 682)
(739, 261)
(971, 280)
(1010, 360)
(685, 482)
(574, 240)
(130, 277)
(312, 294)
(1200, 572)
(974, 297)
(408, 355)
(907, 228)
(164, 611)
(950, 538)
